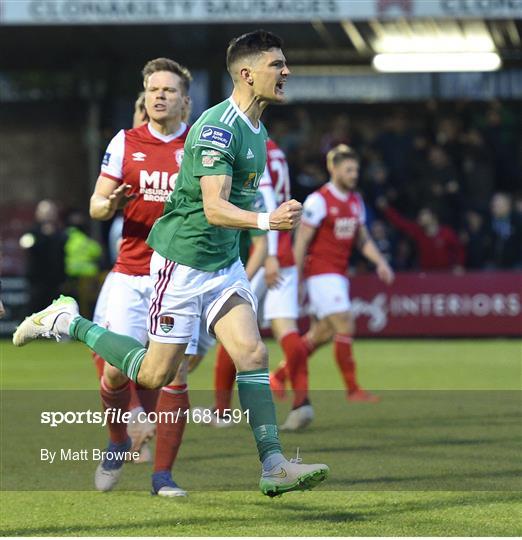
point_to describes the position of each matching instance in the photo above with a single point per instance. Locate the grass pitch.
(440, 455)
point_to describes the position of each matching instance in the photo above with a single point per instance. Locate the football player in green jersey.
(196, 264)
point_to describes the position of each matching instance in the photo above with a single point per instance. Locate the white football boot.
(298, 418)
(110, 467)
(51, 322)
(292, 476)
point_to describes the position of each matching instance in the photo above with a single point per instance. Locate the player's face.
(346, 173)
(269, 76)
(165, 99)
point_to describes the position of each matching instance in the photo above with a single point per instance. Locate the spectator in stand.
(477, 171)
(45, 245)
(506, 233)
(477, 240)
(381, 238)
(341, 132)
(395, 145)
(443, 186)
(500, 133)
(438, 246)
(308, 179)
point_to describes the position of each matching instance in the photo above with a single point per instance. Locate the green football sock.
(121, 351)
(256, 398)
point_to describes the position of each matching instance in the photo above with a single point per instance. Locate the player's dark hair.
(251, 43)
(340, 153)
(166, 64)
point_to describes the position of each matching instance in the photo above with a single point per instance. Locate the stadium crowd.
(442, 183)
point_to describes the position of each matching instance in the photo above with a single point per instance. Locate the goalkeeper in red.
(196, 266)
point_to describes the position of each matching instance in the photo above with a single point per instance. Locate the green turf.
(387, 460)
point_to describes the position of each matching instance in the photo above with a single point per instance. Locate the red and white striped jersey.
(337, 217)
(149, 161)
(277, 177)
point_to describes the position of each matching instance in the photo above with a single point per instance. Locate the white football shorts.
(123, 308)
(184, 296)
(279, 302)
(328, 294)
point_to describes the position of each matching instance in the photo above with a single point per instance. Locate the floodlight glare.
(435, 62)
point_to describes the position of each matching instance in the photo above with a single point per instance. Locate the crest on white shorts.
(166, 323)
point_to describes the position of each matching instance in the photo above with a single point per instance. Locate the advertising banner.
(471, 304)
(240, 11)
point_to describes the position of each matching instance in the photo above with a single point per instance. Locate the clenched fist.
(287, 216)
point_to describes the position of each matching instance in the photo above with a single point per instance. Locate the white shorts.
(328, 294)
(123, 307)
(183, 296)
(280, 302)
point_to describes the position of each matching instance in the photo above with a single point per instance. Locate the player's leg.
(174, 405)
(320, 333)
(344, 327)
(282, 310)
(233, 309)
(153, 367)
(224, 379)
(251, 360)
(172, 409)
(296, 354)
(128, 298)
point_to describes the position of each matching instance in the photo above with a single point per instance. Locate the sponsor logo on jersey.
(106, 159)
(252, 181)
(218, 136)
(138, 156)
(250, 154)
(178, 155)
(156, 186)
(166, 323)
(209, 157)
(344, 228)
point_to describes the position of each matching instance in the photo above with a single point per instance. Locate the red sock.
(134, 399)
(116, 398)
(345, 361)
(99, 364)
(311, 347)
(146, 397)
(297, 366)
(224, 378)
(169, 434)
(280, 372)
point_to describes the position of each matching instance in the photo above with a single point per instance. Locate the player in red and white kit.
(138, 173)
(276, 288)
(333, 222)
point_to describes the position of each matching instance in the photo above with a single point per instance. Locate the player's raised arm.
(222, 213)
(373, 254)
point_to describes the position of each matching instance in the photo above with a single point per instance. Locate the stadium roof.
(201, 45)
